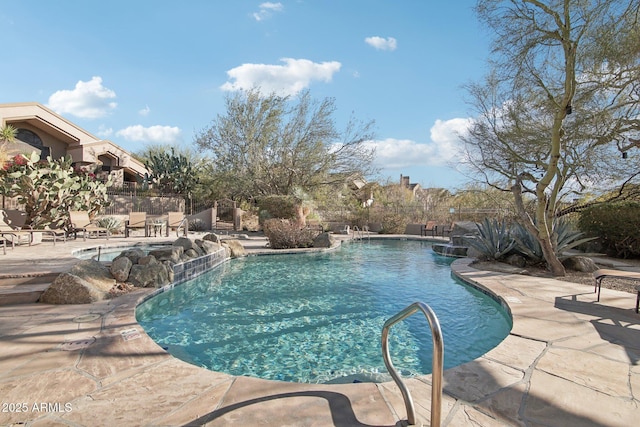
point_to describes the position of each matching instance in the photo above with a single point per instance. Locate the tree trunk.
(543, 236)
(554, 264)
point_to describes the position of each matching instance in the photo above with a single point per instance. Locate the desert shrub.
(110, 223)
(617, 227)
(197, 224)
(284, 234)
(393, 224)
(277, 207)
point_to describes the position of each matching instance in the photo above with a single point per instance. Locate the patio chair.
(429, 227)
(80, 222)
(136, 220)
(444, 230)
(177, 220)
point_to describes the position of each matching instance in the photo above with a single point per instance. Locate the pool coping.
(567, 361)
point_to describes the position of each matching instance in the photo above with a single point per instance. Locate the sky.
(157, 72)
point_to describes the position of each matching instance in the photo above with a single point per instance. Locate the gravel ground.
(571, 276)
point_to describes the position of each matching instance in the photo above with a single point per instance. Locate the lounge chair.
(136, 220)
(177, 220)
(12, 232)
(80, 222)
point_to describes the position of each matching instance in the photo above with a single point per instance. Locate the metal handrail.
(436, 365)
(359, 234)
(183, 223)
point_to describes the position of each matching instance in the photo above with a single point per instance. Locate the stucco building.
(42, 130)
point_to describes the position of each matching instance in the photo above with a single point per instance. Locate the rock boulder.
(235, 248)
(88, 281)
(324, 240)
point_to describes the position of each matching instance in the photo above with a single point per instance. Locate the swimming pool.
(108, 253)
(317, 318)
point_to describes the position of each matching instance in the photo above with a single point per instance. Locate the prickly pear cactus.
(49, 189)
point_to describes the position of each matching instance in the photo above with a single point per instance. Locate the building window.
(25, 135)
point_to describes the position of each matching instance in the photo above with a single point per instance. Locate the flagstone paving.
(569, 361)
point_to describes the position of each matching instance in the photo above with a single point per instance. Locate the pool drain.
(86, 318)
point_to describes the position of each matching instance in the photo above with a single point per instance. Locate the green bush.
(617, 227)
(277, 207)
(283, 234)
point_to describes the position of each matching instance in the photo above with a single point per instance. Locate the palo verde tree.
(559, 105)
(276, 145)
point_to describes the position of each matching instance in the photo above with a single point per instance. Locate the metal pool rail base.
(436, 365)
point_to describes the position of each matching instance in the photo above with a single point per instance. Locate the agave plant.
(526, 244)
(111, 223)
(494, 241)
(565, 236)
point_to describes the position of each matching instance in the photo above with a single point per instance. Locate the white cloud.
(145, 111)
(381, 43)
(445, 134)
(157, 134)
(89, 100)
(104, 131)
(443, 147)
(288, 79)
(266, 10)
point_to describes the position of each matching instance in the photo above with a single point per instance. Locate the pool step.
(24, 290)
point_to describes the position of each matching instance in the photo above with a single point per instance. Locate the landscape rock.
(169, 266)
(207, 246)
(94, 272)
(148, 260)
(133, 254)
(70, 289)
(87, 281)
(324, 240)
(120, 268)
(172, 253)
(186, 244)
(192, 253)
(236, 250)
(211, 237)
(580, 263)
(151, 275)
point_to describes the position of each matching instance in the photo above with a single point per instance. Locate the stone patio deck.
(568, 361)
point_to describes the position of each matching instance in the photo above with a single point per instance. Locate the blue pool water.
(108, 253)
(317, 318)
